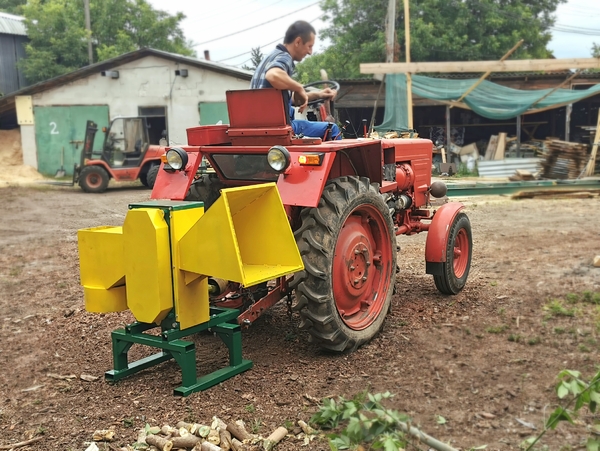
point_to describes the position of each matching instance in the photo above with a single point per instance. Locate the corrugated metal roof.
(8, 102)
(10, 24)
(507, 167)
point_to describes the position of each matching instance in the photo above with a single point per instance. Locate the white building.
(174, 92)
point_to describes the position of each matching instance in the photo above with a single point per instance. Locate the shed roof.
(8, 102)
(11, 24)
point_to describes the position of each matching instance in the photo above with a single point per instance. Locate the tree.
(256, 57)
(58, 37)
(440, 30)
(12, 6)
(595, 50)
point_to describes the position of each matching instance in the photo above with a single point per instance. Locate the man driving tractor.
(276, 70)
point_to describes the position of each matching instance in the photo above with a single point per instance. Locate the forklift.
(126, 155)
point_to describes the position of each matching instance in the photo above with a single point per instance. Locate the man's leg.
(316, 129)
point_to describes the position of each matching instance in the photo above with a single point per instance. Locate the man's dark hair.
(300, 28)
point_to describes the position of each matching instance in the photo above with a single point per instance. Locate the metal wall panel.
(9, 77)
(59, 130)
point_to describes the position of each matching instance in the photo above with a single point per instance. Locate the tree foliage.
(256, 57)
(440, 30)
(12, 6)
(596, 50)
(58, 37)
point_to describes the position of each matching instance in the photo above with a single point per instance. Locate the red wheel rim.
(362, 267)
(94, 180)
(460, 254)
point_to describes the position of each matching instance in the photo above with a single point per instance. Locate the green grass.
(556, 308)
(496, 329)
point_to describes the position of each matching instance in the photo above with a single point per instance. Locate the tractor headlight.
(177, 158)
(278, 158)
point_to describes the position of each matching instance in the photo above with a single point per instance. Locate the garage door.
(61, 129)
(213, 112)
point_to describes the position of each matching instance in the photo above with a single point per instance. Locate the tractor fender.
(302, 186)
(439, 229)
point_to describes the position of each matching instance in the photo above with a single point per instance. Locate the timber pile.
(564, 160)
(219, 436)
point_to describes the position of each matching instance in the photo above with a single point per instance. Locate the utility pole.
(408, 75)
(88, 27)
(390, 40)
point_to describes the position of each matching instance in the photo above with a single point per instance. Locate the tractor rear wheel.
(455, 269)
(93, 179)
(348, 246)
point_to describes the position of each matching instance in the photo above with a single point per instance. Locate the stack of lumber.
(496, 147)
(564, 160)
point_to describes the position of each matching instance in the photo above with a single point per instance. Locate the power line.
(256, 26)
(264, 45)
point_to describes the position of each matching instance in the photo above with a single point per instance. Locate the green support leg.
(184, 352)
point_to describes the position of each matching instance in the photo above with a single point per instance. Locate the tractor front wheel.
(348, 246)
(93, 179)
(459, 247)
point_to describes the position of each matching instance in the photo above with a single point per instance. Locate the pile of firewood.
(564, 160)
(219, 436)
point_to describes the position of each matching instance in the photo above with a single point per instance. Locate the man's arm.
(279, 79)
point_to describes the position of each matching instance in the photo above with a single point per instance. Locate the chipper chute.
(157, 265)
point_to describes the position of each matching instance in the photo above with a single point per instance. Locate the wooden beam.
(481, 66)
(556, 88)
(486, 75)
(409, 100)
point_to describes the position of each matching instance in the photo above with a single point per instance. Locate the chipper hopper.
(158, 264)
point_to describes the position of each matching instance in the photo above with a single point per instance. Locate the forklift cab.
(125, 142)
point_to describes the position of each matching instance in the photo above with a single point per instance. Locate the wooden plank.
(591, 166)
(491, 148)
(481, 66)
(499, 155)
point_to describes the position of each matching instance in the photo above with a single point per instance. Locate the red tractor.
(346, 202)
(126, 155)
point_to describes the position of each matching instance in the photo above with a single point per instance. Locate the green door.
(213, 112)
(63, 127)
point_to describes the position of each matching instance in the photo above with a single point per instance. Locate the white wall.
(150, 81)
(28, 145)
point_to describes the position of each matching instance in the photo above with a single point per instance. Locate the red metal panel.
(175, 185)
(437, 236)
(303, 185)
(256, 108)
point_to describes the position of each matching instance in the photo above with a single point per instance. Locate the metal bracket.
(184, 352)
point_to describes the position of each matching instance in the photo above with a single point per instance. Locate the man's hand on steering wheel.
(327, 93)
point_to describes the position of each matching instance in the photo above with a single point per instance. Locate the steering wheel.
(329, 83)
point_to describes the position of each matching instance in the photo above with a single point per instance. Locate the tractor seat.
(259, 117)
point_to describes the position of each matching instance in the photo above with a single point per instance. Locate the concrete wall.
(150, 81)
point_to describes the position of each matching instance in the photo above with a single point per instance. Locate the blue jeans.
(315, 129)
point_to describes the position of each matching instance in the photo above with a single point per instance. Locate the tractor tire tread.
(313, 285)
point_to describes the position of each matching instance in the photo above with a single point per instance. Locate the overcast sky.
(206, 21)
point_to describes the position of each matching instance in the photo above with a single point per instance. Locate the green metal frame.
(482, 188)
(222, 321)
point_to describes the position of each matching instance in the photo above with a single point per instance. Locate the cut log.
(306, 428)
(189, 441)
(236, 445)
(238, 431)
(207, 446)
(276, 436)
(161, 443)
(192, 428)
(225, 437)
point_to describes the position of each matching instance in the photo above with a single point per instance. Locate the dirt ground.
(483, 359)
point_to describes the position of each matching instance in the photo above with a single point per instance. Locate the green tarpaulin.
(489, 99)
